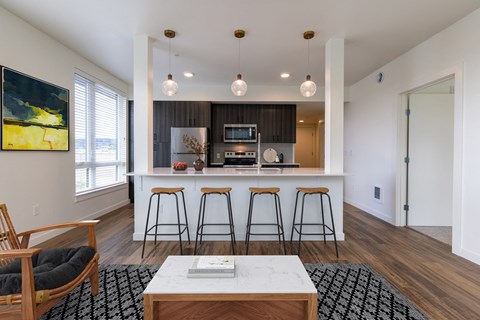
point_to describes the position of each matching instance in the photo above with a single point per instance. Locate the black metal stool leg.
(323, 219)
(252, 199)
(333, 223)
(178, 224)
(203, 217)
(276, 216)
(230, 222)
(301, 224)
(281, 223)
(230, 212)
(186, 219)
(198, 223)
(146, 225)
(156, 221)
(294, 217)
(249, 217)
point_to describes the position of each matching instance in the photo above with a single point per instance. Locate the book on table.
(212, 267)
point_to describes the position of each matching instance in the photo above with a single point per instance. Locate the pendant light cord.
(169, 56)
(239, 56)
(308, 56)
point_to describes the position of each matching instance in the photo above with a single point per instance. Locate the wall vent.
(377, 194)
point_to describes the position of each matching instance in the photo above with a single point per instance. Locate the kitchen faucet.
(259, 165)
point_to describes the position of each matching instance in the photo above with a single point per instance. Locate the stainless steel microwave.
(246, 133)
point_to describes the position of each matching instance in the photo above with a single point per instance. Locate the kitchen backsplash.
(219, 149)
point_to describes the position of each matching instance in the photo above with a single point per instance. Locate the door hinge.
(406, 160)
(407, 112)
(406, 207)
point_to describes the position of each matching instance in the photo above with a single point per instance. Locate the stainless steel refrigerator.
(178, 150)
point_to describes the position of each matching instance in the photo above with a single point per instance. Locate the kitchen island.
(239, 179)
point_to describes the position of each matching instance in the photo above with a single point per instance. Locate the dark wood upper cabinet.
(192, 114)
(275, 122)
(168, 114)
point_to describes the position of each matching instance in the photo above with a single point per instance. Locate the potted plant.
(198, 148)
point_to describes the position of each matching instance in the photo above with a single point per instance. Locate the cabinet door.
(163, 118)
(219, 118)
(192, 114)
(288, 119)
(268, 123)
(277, 123)
(161, 154)
(202, 114)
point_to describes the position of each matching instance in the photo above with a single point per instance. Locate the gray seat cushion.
(52, 268)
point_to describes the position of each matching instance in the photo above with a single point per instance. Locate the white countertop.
(229, 172)
(253, 274)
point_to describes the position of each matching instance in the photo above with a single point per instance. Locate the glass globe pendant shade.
(308, 87)
(169, 87)
(239, 87)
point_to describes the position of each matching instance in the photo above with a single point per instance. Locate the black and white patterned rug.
(356, 291)
(346, 291)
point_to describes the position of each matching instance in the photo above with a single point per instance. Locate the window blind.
(100, 136)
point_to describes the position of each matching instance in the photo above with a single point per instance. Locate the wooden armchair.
(29, 302)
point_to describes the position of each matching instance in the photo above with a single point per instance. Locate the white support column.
(143, 103)
(334, 104)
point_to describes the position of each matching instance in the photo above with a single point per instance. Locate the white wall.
(372, 131)
(45, 178)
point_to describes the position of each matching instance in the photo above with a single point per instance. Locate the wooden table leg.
(147, 307)
(312, 307)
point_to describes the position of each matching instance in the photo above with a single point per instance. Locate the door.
(430, 173)
(305, 147)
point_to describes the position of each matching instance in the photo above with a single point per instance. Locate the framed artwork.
(34, 113)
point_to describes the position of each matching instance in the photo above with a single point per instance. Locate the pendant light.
(169, 87)
(308, 87)
(239, 86)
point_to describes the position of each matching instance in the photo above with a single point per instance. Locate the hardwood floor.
(442, 285)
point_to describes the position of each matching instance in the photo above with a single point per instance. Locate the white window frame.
(91, 164)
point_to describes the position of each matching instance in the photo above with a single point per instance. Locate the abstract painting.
(34, 113)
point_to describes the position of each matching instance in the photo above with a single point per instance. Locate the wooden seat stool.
(201, 216)
(278, 214)
(298, 227)
(182, 227)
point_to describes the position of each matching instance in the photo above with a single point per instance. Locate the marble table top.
(253, 274)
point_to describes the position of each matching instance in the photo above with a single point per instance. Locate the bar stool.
(278, 213)
(166, 191)
(201, 216)
(323, 192)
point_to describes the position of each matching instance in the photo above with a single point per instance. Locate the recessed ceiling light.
(285, 75)
(188, 74)
(301, 121)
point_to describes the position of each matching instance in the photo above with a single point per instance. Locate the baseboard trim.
(50, 234)
(375, 213)
(470, 255)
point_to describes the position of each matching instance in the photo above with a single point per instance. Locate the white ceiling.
(375, 32)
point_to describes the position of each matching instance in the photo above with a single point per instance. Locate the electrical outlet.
(218, 155)
(36, 210)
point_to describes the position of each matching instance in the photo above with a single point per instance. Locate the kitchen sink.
(261, 169)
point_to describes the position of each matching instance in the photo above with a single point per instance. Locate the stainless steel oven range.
(239, 159)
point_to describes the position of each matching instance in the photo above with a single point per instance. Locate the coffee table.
(264, 287)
